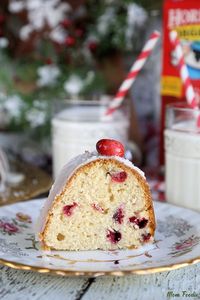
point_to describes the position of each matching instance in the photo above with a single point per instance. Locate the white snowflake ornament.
(48, 75)
(14, 105)
(40, 13)
(73, 85)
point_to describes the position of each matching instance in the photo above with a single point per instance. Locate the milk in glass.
(79, 126)
(182, 158)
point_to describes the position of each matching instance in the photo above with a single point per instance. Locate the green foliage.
(149, 4)
(103, 22)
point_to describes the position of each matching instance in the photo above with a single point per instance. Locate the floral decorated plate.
(177, 244)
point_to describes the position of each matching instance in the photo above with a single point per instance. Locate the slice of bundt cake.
(99, 201)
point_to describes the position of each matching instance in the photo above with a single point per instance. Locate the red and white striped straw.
(135, 69)
(189, 90)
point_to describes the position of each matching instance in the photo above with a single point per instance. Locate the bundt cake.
(99, 201)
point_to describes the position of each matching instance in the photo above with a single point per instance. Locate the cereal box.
(184, 17)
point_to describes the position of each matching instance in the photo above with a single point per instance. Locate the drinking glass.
(182, 156)
(78, 124)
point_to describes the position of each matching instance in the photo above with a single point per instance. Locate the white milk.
(182, 154)
(77, 129)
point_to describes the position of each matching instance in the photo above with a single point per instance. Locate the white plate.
(177, 244)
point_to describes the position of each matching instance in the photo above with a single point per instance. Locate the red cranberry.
(119, 176)
(146, 237)
(141, 223)
(98, 207)
(110, 148)
(68, 209)
(114, 236)
(119, 216)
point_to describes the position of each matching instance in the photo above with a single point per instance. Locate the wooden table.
(25, 285)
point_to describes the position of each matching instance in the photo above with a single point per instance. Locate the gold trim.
(71, 273)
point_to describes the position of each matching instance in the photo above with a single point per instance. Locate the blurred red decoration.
(66, 23)
(79, 32)
(48, 61)
(2, 18)
(70, 41)
(93, 46)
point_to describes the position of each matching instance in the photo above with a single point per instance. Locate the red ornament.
(110, 148)
(92, 46)
(66, 23)
(70, 41)
(79, 32)
(2, 19)
(48, 61)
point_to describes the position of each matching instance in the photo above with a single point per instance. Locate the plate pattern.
(177, 244)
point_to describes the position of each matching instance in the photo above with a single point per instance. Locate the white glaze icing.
(67, 171)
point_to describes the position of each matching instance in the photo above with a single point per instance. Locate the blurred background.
(52, 50)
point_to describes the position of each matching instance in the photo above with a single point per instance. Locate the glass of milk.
(78, 124)
(182, 156)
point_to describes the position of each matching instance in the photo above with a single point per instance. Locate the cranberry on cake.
(99, 201)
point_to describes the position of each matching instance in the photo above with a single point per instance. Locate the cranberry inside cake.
(104, 204)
